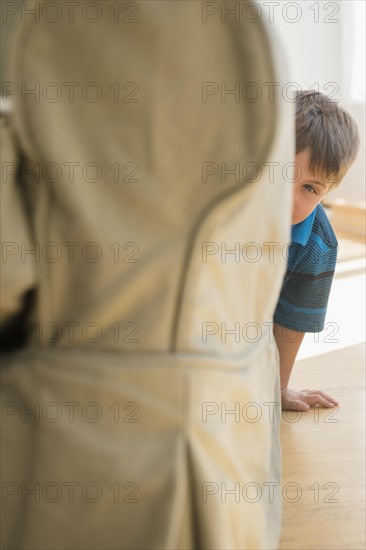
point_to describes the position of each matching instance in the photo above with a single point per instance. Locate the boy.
(327, 141)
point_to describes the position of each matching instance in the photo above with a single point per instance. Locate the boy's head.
(327, 142)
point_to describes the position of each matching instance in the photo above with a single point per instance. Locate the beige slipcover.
(122, 195)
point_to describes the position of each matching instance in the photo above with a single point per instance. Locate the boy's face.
(309, 188)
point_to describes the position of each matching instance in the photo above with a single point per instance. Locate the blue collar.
(300, 232)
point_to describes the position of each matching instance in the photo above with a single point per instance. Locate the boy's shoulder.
(322, 229)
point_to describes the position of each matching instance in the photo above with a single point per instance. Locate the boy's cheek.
(298, 212)
(304, 206)
(301, 213)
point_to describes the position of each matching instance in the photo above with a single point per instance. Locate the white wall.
(318, 39)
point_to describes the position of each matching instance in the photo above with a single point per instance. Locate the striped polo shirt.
(311, 261)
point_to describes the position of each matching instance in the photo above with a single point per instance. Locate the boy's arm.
(288, 343)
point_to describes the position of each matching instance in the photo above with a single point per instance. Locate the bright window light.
(358, 51)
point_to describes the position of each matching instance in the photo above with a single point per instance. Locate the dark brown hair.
(328, 131)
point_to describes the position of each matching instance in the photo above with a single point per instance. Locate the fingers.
(302, 401)
(319, 397)
(328, 398)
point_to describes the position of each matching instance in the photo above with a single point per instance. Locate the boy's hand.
(293, 400)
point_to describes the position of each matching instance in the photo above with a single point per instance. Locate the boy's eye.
(310, 188)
